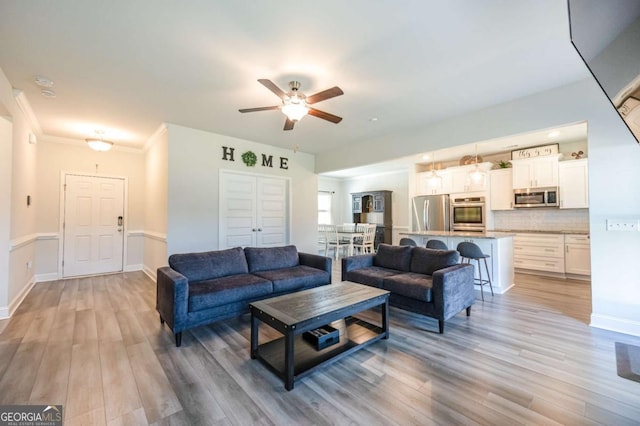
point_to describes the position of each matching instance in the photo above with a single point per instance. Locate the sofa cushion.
(270, 258)
(427, 261)
(393, 257)
(371, 275)
(224, 290)
(209, 265)
(410, 284)
(295, 278)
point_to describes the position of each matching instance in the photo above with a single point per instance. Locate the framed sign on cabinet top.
(536, 151)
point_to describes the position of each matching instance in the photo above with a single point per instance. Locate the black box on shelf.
(322, 337)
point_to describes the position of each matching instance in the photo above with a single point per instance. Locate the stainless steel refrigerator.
(430, 213)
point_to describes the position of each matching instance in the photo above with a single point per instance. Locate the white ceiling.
(561, 135)
(127, 66)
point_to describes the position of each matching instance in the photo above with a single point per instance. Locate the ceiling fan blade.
(288, 125)
(272, 86)
(259, 109)
(324, 95)
(325, 115)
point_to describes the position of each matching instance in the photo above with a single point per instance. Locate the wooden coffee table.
(291, 357)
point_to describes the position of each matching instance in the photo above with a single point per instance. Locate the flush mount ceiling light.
(99, 143)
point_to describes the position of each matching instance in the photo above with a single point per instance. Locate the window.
(324, 207)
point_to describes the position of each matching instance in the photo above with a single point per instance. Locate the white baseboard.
(52, 276)
(150, 273)
(7, 311)
(615, 324)
(132, 268)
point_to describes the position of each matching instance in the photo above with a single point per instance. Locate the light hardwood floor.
(96, 346)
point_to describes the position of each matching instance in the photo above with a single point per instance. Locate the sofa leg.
(178, 339)
(441, 326)
(161, 320)
(468, 311)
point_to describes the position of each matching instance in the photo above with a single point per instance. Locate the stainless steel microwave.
(536, 197)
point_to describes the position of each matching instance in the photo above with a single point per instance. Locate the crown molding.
(25, 107)
(162, 129)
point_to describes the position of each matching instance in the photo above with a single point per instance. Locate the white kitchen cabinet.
(577, 255)
(573, 176)
(539, 252)
(535, 172)
(461, 182)
(501, 196)
(428, 186)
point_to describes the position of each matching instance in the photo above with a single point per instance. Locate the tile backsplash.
(542, 219)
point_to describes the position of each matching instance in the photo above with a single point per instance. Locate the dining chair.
(335, 241)
(322, 239)
(368, 239)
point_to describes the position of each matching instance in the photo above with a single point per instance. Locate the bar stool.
(471, 251)
(437, 245)
(407, 242)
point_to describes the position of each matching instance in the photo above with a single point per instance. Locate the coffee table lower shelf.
(354, 334)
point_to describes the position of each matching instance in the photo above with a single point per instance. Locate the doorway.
(93, 225)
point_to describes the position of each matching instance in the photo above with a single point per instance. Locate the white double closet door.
(254, 210)
(93, 225)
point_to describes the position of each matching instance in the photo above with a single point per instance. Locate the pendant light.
(476, 176)
(435, 180)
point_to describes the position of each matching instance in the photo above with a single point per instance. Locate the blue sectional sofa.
(427, 281)
(201, 288)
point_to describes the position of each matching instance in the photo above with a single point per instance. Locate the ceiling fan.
(295, 104)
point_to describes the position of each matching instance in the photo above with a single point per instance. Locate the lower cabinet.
(539, 252)
(554, 254)
(577, 255)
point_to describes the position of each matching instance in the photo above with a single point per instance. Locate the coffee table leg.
(254, 336)
(385, 319)
(288, 360)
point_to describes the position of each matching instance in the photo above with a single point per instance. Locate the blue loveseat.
(201, 288)
(427, 281)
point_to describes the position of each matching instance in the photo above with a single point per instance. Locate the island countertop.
(493, 235)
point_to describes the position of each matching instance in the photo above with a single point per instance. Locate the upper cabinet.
(573, 176)
(427, 185)
(452, 180)
(501, 195)
(461, 180)
(535, 172)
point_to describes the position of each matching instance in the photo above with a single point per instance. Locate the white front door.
(93, 240)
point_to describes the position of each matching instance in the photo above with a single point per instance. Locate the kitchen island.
(498, 245)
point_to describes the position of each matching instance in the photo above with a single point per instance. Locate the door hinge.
(63, 263)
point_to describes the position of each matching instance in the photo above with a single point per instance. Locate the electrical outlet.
(622, 225)
(29, 264)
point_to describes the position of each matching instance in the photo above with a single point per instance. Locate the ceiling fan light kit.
(295, 105)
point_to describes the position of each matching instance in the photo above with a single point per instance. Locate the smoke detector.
(48, 93)
(43, 81)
